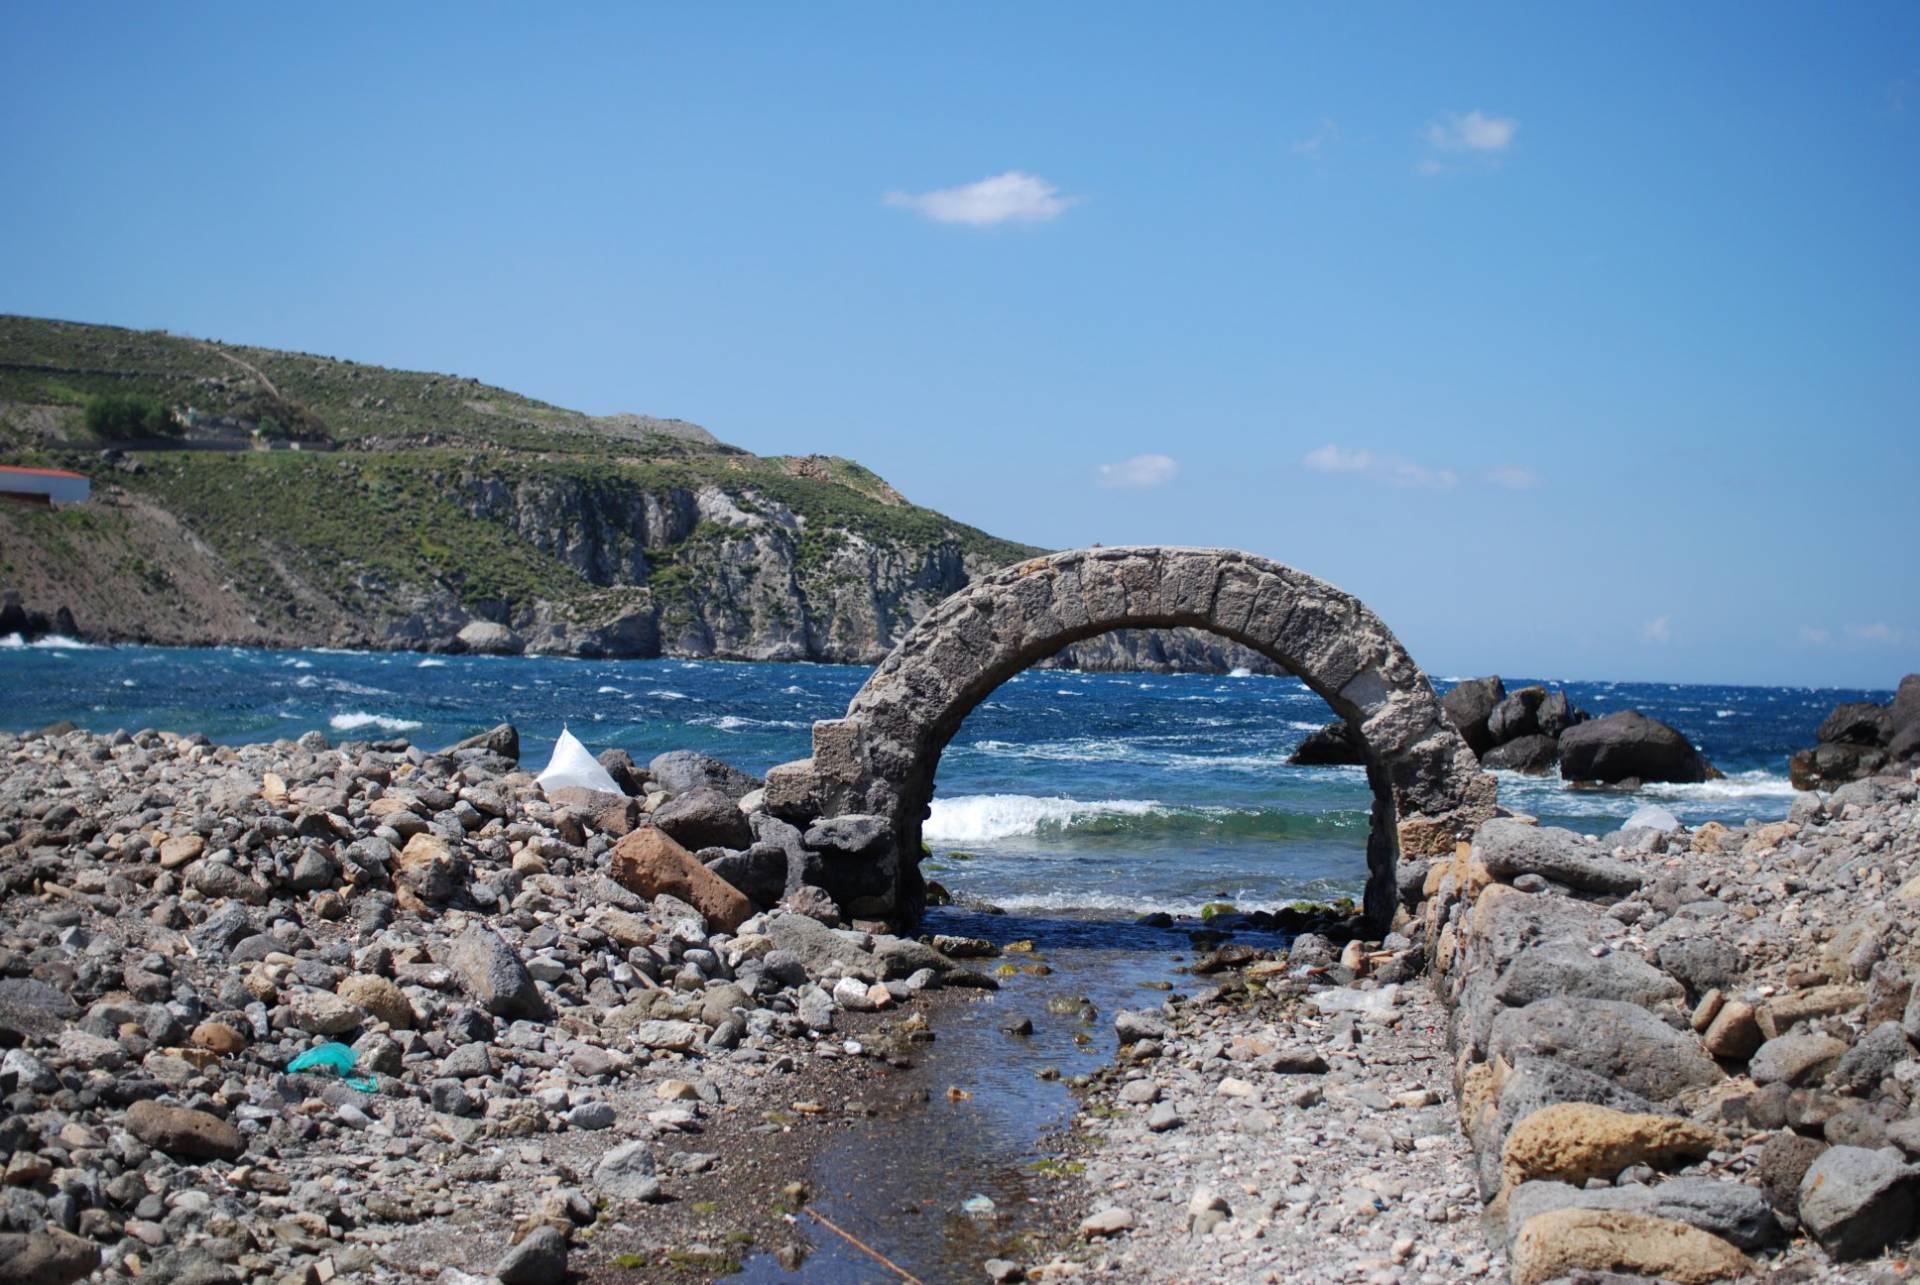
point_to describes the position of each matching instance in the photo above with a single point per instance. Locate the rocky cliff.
(447, 515)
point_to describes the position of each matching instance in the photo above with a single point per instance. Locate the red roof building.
(48, 486)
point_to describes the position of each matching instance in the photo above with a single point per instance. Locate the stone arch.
(869, 783)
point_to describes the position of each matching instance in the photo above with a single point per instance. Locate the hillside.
(416, 506)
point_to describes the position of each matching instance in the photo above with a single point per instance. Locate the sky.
(1581, 341)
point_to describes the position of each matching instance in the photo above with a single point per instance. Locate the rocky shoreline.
(539, 1055)
(1673, 1051)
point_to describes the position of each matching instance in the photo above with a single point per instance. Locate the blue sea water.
(1062, 791)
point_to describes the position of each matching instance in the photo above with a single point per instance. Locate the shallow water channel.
(948, 1183)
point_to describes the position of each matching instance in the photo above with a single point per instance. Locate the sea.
(1088, 795)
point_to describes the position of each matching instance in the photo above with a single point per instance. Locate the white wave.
(1068, 692)
(431, 663)
(1240, 671)
(735, 723)
(360, 718)
(667, 694)
(1724, 713)
(982, 818)
(307, 681)
(49, 642)
(608, 691)
(128, 682)
(1299, 726)
(294, 662)
(1757, 784)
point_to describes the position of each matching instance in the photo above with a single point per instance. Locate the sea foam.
(359, 718)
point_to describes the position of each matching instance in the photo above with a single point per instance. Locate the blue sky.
(1580, 341)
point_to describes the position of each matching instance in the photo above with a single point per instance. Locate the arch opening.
(880, 760)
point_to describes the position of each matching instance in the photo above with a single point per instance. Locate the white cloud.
(1396, 470)
(1470, 135)
(1473, 131)
(1138, 473)
(1327, 134)
(1658, 630)
(1878, 632)
(1513, 478)
(1812, 637)
(1012, 197)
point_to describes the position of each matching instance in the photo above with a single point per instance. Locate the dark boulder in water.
(1517, 716)
(1628, 746)
(1332, 746)
(1859, 739)
(1533, 754)
(1469, 705)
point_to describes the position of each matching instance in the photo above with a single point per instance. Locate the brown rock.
(1574, 1141)
(183, 1133)
(613, 814)
(1709, 838)
(217, 1037)
(650, 863)
(180, 850)
(1780, 1015)
(46, 1257)
(1734, 1032)
(1562, 1242)
(429, 868)
(379, 997)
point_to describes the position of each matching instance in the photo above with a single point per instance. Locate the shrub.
(120, 416)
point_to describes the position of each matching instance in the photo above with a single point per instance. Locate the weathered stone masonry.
(872, 773)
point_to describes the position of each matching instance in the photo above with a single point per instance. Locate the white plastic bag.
(572, 767)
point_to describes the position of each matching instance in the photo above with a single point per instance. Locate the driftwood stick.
(864, 1248)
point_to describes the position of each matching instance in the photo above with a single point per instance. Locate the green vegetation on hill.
(438, 497)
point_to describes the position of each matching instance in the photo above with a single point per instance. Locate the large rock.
(184, 1133)
(502, 739)
(1568, 968)
(821, 950)
(1857, 723)
(493, 974)
(704, 818)
(1629, 745)
(1517, 715)
(1331, 746)
(1828, 767)
(627, 1172)
(1795, 1058)
(485, 638)
(1856, 1202)
(1533, 755)
(649, 862)
(1618, 1041)
(1903, 720)
(46, 1257)
(1564, 1242)
(31, 1009)
(1468, 706)
(760, 872)
(1510, 848)
(1733, 1211)
(679, 771)
(1575, 1141)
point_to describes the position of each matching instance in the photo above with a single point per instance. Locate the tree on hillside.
(122, 416)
